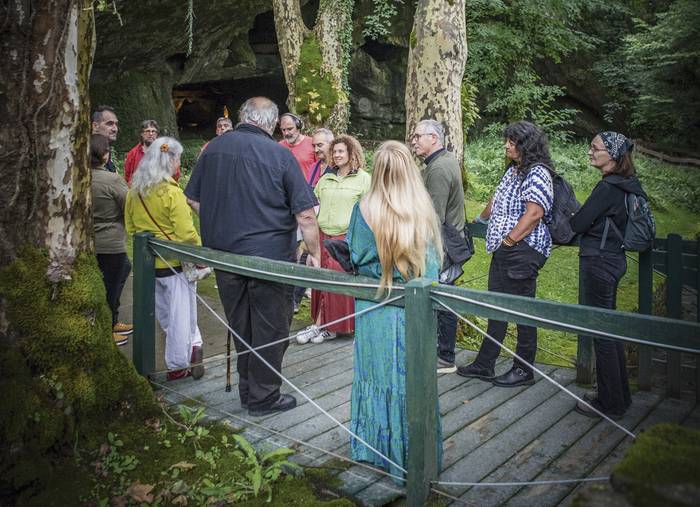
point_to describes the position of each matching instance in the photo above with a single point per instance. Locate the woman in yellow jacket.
(156, 204)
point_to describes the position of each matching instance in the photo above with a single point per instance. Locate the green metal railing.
(421, 328)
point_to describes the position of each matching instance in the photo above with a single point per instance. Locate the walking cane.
(228, 362)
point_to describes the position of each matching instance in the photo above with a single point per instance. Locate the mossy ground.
(661, 457)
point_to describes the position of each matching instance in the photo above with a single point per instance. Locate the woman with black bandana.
(603, 263)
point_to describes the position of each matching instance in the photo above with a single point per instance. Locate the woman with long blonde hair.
(394, 236)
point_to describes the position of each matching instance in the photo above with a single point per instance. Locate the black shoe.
(515, 377)
(284, 402)
(473, 371)
(588, 412)
(244, 404)
(589, 396)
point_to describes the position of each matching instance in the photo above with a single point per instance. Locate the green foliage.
(378, 23)
(507, 38)
(662, 458)
(316, 93)
(470, 111)
(662, 62)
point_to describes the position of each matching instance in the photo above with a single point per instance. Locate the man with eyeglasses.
(149, 133)
(443, 180)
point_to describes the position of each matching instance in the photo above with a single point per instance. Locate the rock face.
(142, 69)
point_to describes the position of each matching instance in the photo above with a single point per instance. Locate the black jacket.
(606, 200)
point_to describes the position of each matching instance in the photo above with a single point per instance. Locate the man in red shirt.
(149, 133)
(299, 144)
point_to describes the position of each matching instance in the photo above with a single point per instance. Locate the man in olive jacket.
(443, 180)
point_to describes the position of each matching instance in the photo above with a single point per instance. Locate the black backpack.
(564, 207)
(640, 228)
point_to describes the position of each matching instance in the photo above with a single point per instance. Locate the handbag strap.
(153, 219)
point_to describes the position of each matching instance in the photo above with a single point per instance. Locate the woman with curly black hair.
(520, 242)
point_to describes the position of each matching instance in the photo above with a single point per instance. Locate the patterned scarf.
(616, 144)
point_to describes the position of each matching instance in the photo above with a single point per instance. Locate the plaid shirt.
(509, 204)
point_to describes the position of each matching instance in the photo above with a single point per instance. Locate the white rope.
(276, 275)
(557, 384)
(287, 437)
(522, 483)
(216, 360)
(572, 327)
(279, 374)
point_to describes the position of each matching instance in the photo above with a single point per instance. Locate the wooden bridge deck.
(490, 434)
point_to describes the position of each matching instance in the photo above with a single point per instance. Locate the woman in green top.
(108, 195)
(338, 190)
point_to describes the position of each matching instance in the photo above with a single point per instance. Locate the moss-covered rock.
(661, 468)
(63, 377)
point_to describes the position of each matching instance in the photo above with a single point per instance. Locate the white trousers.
(176, 311)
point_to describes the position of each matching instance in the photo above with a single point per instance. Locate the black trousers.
(115, 270)
(447, 335)
(513, 270)
(600, 275)
(260, 312)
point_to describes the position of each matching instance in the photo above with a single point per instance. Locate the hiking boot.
(120, 339)
(197, 357)
(445, 366)
(123, 329)
(322, 336)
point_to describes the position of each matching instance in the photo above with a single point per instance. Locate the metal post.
(644, 301)
(144, 345)
(584, 350)
(674, 289)
(421, 391)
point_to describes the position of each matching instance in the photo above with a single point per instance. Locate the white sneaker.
(308, 334)
(323, 335)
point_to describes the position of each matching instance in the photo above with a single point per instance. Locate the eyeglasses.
(593, 147)
(415, 137)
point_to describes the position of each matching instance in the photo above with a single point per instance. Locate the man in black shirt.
(251, 197)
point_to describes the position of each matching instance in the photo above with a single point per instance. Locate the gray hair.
(325, 132)
(261, 112)
(150, 123)
(157, 165)
(433, 127)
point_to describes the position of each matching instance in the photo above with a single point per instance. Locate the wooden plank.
(294, 362)
(668, 411)
(421, 391)
(697, 315)
(529, 461)
(583, 456)
(674, 288)
(144, 309)
(693, 419)
(459, 445)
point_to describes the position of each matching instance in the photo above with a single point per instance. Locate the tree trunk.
(316, 62)
(436, 60)
(334, 32)
(44, 170)
(290, 30)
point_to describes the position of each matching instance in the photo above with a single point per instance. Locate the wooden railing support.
(421, 391)
(674, 289)
(584, 349)
(644, 300)
(144, 337)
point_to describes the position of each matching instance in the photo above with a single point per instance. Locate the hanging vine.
(378, 23)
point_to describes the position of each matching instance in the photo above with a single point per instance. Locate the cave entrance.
(198, 105)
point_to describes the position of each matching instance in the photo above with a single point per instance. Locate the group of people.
(281, 200)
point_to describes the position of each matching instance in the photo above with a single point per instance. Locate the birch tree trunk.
(47, 52)
(317, 89)
(436, 60)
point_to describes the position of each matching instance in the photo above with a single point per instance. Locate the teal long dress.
(378, 401)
